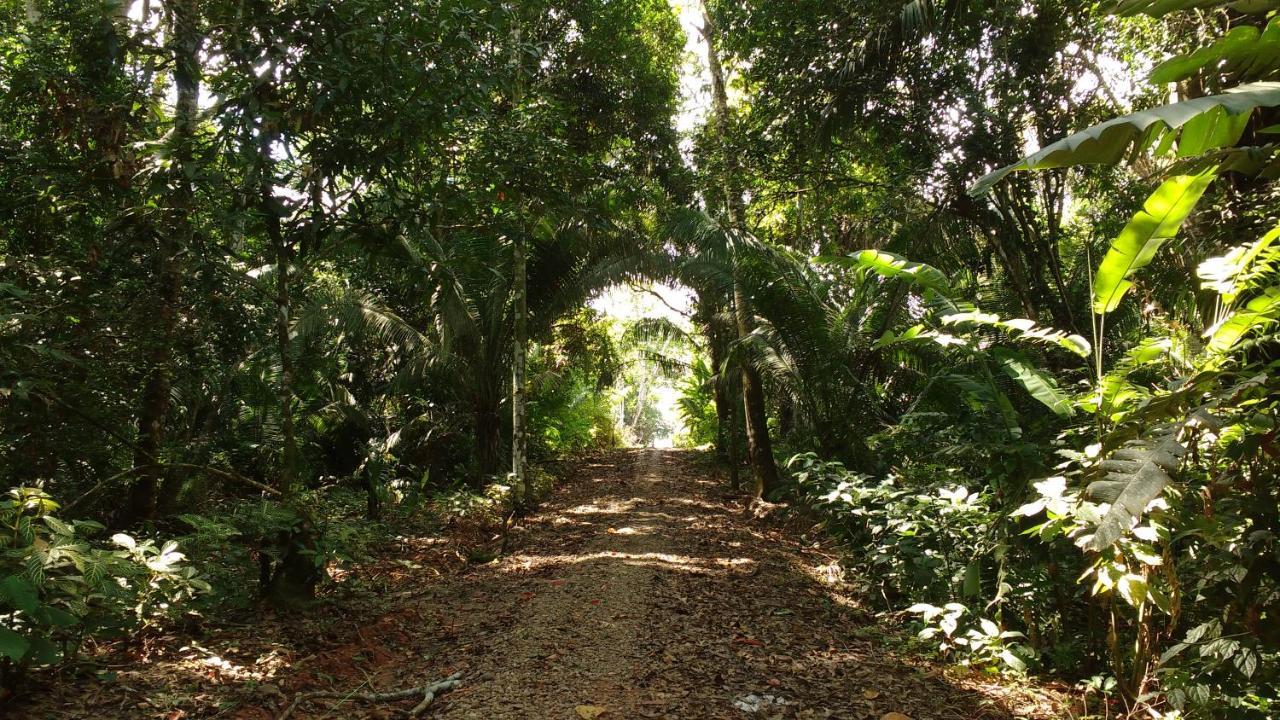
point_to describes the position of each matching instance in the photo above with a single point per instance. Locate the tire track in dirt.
(575, 640)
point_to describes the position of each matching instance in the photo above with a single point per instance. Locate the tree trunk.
(519, 438)
(270, 208)
(764, 471)
(488, 432)
(296, 574)
(153, 409)
(520, 492)
(759, 449)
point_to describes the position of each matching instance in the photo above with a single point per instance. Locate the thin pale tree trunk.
(764, 470)
(521, 493)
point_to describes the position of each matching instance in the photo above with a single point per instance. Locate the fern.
(1258, 314)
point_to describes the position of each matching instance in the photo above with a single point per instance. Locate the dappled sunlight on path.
(637, 591)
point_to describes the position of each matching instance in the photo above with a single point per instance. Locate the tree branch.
(428, 693)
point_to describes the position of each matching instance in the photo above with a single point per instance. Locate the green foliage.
(58, 585)
(1194, 126)
(912, 538)
(889, 265)
(979, 640)
(697, 407)
(572, 401)
(258, 278)
(1244, 52)
(1164, 7)
(1160, 219)
(1170, 431)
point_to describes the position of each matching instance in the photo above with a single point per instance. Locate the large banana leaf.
(1158, 8)
(1244, 52)
(1198, 125)
(1033, 380)
(1137, 244)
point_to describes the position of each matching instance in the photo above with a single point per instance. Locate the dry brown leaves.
(639, 591)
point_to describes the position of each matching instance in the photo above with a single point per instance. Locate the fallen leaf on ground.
(871, 694)
(895, 716)
(590, 712)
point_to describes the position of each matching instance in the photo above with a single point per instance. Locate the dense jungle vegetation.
(988, 288)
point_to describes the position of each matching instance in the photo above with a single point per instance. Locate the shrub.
(57, 586)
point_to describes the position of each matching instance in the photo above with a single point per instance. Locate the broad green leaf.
(12, 645)
(1158, 8)
(1135, 475)
(1133, 588)
(1109, 142)
(1246, 661)
(1013, 661)
(45, 652)
(55, 616)
(1244, 52)
(1035, 381)
(972, 585)
(1259, 313)
(20, 594)
(1159, 221)
(1224, 274)
(1030, 509)
(912, 334)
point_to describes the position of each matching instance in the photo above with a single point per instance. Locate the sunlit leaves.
(1227, 274)
(1023, 329)
(1197, 125)
(1243, 51)
(1258, 314)
(1164, 7)
(889, 265)
(1135, 476)
(1038, 383)
(1135, 247)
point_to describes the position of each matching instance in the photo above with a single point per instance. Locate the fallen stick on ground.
(428, 693)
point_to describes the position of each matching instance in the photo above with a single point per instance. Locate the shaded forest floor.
(637, 591)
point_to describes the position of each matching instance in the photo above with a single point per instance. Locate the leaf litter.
(697, 610)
